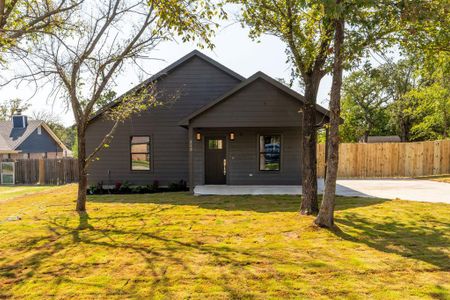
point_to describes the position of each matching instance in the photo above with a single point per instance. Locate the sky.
(233, 48)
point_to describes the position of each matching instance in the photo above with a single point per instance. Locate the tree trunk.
(403, 137)
(446, 123)
(404, 128)
(309, 203)
(82, 172)
(325, 218)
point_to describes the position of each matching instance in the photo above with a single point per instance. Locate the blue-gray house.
(23, 138)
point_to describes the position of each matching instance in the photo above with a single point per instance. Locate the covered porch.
(200, 190)
(251, 136)
(246, 156)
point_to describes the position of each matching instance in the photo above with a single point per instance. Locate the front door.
(215, 160)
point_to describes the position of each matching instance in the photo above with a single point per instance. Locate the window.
(215, 144)
(140, 153)
(39, 130)
(7, 172)
(269, 152)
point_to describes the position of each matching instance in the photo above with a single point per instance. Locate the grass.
(175, 246)
(10, 192)
(439, 178)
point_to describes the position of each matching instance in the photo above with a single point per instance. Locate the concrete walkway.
(407, 189)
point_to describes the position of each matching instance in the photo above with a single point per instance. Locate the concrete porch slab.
(247, 190)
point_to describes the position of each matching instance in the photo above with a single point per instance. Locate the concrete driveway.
(406, 189)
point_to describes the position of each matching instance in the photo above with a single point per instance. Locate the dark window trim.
(150, 152)
(259, 152)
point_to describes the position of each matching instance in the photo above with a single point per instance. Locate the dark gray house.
(24, 138)
(222, 129)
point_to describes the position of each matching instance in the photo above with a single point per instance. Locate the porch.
(247, 190)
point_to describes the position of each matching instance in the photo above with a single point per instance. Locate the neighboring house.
(382, 139)
(23, 138)
(222, 129)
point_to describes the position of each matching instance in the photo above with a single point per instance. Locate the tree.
(408, 97)
(425, 27)
(364, 105)
(307, 29)
(30, 18)
(401, 78)
(307, 32)
(325, 217)
(111, 33)
(430, 112)
(361, 15)
(10, 107)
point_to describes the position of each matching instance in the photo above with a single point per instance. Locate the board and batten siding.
(39, 143)
(243, 156)
(197, 82)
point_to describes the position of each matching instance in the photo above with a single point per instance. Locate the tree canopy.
(9, 107)
(409, 98)
(30, 18)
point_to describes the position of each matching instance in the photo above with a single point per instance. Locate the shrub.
(128, 188)
(95, 189)
(141, 189)
(155, 186)
(178, 186)
(92, 189)
(125, 188)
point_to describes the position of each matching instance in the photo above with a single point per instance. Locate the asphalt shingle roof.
(11, 138)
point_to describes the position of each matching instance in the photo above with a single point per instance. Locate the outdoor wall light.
(198, 136)
(232, 136)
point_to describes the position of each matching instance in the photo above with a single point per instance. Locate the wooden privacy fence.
(389, 159)
(53, 171)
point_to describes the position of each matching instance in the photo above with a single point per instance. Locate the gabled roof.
(243, 84)
(11, 138)
(166, 71)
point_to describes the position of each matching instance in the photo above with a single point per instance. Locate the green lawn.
(10, 192)
(176, 246)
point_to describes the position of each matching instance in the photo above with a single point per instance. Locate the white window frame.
(39, 130)
(13, 171)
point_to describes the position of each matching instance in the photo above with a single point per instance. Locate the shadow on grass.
(416, 240)
(259, 203)
(159, 251)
